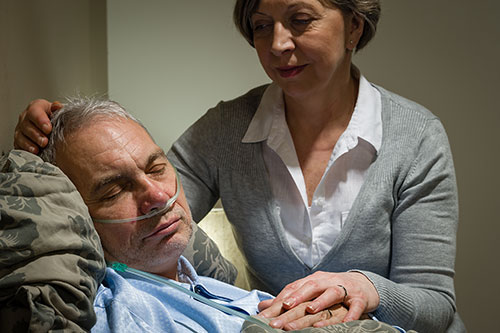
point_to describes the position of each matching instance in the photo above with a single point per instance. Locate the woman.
(329, 181)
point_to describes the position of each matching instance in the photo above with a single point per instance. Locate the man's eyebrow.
(156, 155)
(105, 182)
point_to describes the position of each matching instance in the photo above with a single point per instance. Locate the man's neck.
(171, 273)
(168, 270)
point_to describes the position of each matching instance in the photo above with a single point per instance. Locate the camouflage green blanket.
(51, 260)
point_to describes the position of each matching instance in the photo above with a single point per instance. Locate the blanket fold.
(51, 259)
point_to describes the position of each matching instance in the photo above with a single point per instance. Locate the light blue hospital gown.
(125, 303)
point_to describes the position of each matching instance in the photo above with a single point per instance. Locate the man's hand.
(34, 125)
(299, 317)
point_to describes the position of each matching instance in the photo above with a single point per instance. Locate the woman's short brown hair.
(369, 10)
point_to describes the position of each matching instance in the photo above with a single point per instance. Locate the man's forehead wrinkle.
(118, 145)
(128, 143)
(111, 166)
(119, 135)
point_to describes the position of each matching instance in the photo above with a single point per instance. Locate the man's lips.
(290, 71)
(165, 228)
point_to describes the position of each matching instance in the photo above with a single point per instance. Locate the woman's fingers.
(311, 287)
(330, 296)
(39, 112)
(34, 125)
(56, 105)
(356, 310)
(23, 142)
(272, 308)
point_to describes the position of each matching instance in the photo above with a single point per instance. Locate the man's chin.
(152, 254)
(169, 249)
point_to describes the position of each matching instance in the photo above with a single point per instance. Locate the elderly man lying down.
(143, 220)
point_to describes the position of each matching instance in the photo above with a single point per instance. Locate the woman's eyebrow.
(259, 13)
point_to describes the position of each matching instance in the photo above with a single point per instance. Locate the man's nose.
(282, 40)
(153, 196)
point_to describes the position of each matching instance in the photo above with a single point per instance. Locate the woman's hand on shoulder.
(34, 125)
(320, 291)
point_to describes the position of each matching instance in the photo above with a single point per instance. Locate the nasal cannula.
(120, 267)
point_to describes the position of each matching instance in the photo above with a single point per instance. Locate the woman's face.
(302, 45)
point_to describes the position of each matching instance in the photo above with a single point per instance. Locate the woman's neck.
(322, 111)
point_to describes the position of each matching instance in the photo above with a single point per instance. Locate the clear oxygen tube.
(154, 212)
(120, 267)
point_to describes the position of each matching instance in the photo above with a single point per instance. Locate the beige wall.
(51, 49)
(170, 60)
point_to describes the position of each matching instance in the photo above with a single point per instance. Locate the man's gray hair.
(78, 112)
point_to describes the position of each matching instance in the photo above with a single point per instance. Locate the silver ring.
(345, 293)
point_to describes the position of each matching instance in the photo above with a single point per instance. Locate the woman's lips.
(290, 71)
(165, 229)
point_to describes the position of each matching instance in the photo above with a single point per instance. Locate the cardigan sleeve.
(419, 292)
(194, 155)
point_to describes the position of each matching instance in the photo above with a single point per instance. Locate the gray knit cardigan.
(400, 232)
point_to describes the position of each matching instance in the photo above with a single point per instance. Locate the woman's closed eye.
(258, 26)
(301, 21)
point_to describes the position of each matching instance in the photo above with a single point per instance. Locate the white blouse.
(312, 230)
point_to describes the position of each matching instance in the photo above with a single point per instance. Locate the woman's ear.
(354, 29)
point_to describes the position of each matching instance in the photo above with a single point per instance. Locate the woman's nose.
(154, 196)
(282, 40)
